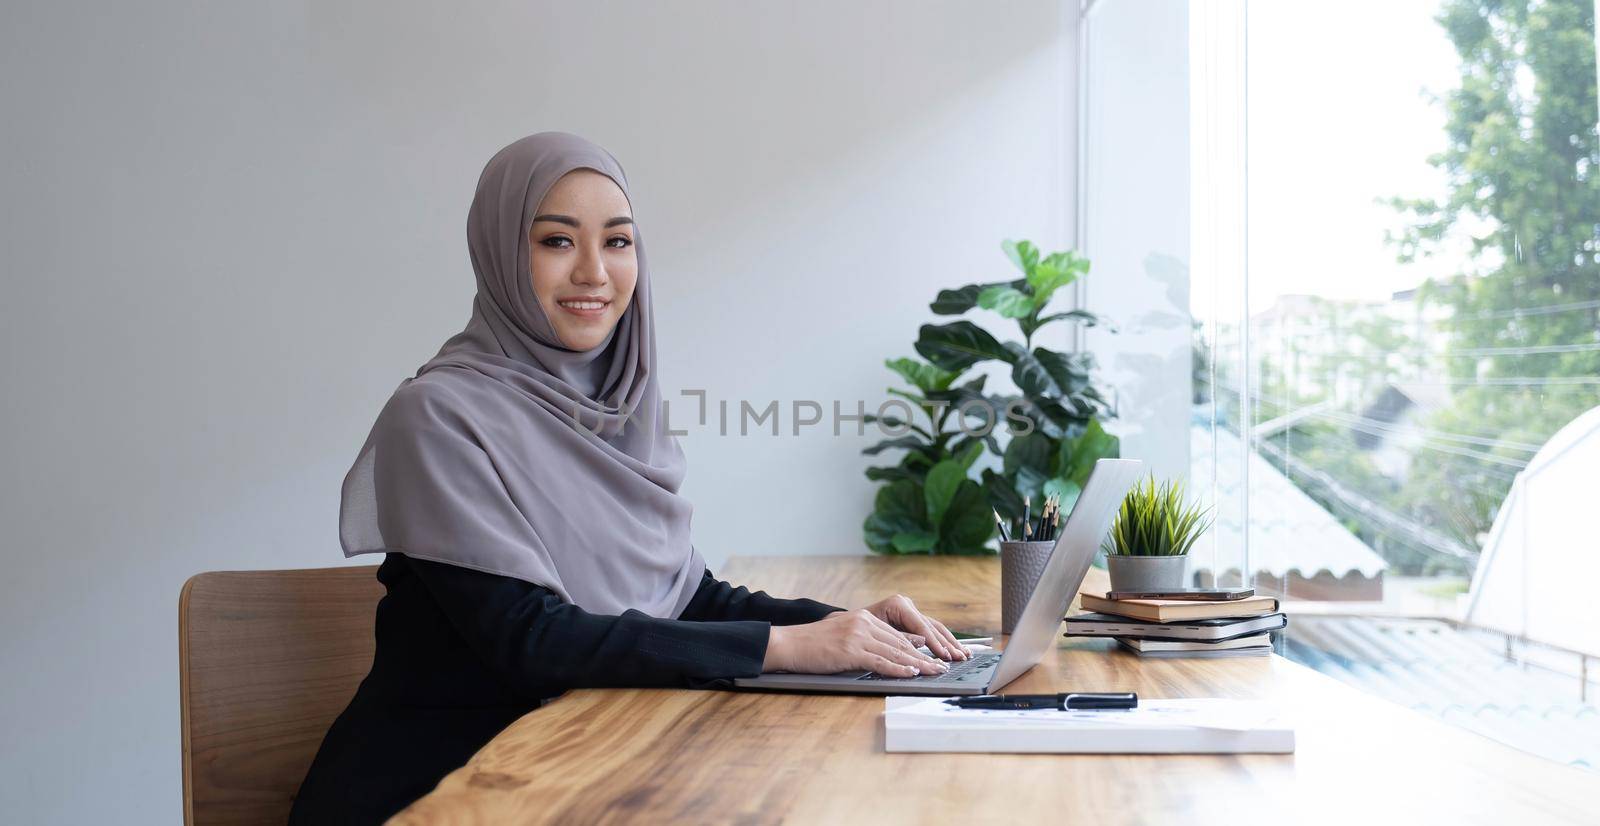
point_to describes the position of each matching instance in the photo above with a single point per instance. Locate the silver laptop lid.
(1069, 562)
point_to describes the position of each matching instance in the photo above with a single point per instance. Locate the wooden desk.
(664, 756)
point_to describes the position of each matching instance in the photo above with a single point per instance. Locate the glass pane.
(1421, 356)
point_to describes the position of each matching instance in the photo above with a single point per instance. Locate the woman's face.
(580, 252)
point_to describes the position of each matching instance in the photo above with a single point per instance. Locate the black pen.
(1071, 701)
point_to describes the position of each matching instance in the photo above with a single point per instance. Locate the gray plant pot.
(1146, 573)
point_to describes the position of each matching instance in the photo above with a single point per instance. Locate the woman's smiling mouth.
(588, 307)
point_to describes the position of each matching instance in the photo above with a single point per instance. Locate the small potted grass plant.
(1148, 546)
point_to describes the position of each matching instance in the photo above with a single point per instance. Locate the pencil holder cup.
(1021, 564)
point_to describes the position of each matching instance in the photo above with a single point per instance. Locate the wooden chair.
(267, 660)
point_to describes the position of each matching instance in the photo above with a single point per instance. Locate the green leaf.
(957, 301)
(958, 345)
(916, 401)
(940, 487)
(909, 441)
(969, 454)
(1006, 300)
(1045, 282)
(974, 387)
(897, 509)
(1022, 253)
(1079, 406)
(889, 474)
(962, 299)
(969, 397)
(911, 542)
(1042, 424)
(1068, 371)
(1032, 450)
(968, 522)
(1003, 497)
(1030, 482)
(903, 498)
(1083, 317)
(1077, 457)
(924, 376)
(1030, 374)
(1053, 418)
(1056, 271)
(897, 422)
(880, 529)
(986, 439)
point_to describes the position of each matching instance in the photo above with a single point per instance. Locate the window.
(1390, 286)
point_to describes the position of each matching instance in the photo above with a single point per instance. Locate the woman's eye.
(563, 242)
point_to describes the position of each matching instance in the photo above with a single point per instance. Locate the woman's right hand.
(846, 641)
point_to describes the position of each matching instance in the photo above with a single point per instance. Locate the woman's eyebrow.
(573, 222)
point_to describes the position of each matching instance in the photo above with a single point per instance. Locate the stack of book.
(1181, 628)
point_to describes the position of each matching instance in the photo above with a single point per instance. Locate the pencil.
(1026, 502)
(998, 523)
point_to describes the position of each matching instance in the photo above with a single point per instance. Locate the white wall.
(230, 229)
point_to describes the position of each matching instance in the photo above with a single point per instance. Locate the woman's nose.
(590, 270)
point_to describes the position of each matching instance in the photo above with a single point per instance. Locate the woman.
(523, 487)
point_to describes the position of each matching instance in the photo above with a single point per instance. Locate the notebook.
(1148, 646)
(1173, 610)
(1105, 625)
(1209, 653)
(1188, 726)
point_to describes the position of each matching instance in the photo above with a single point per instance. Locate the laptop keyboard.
(959, 671)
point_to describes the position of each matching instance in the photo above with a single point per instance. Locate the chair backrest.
(267, 660)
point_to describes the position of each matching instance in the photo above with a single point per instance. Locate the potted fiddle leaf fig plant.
(1148, 546)
(1058, 411)
(1053, 428)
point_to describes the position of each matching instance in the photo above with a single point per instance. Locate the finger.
(886, 631)
(888, 652)
(944, 646)
(923, 665)
(889, 634)
(951, 638)
(887, 667)
(916, 640)
(921, 624)
(897, 642)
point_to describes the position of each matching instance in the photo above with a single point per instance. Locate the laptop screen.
(1069, 563)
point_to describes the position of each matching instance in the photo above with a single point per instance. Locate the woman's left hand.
(899, 612)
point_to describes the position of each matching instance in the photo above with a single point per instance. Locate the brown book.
(1175, 610)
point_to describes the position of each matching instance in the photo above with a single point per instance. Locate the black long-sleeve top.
(461, 654)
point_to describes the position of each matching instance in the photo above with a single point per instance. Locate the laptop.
(987, 672)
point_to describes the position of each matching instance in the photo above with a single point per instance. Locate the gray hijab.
(511, 454)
